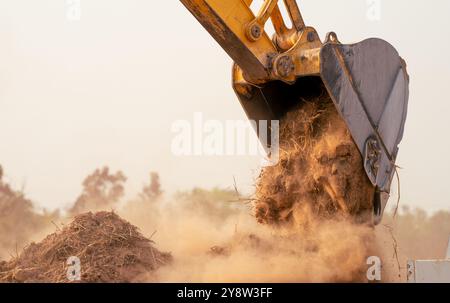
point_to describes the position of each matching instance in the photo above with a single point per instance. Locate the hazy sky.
(105, 90)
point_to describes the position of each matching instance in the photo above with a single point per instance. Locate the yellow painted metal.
(226, 21)
(305, 56)
(266, 11)
(256, 27)
(237, 14)
(294, 13)
(292, 53)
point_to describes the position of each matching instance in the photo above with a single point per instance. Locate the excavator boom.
(367, 81)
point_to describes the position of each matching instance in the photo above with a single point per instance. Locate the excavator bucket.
(367, 81)
(368, 84)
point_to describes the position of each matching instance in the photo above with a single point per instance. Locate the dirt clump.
(109, 249)
(248, 242)
(320, 168)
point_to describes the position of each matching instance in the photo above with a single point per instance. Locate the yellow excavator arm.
(291, 53)
(367, 81)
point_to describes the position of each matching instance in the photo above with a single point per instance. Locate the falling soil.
(109, 249)
(320, 168)
(317, 199)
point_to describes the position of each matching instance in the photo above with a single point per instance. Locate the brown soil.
(319, 171)
(109, 248)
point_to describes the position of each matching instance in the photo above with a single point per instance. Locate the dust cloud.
(305, 205)
(237, 249)
(310, 220)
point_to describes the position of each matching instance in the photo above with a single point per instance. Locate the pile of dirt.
(109, 249)
(319, 169)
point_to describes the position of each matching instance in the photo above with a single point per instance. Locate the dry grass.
(109, 248)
